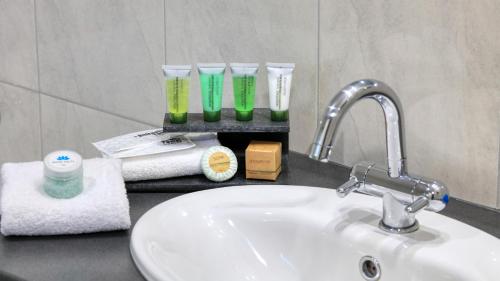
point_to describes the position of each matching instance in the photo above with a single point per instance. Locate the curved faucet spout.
(394, 121)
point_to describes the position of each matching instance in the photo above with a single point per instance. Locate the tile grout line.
(40, 93)
(38, 80)
(33, 91)
(97, 109)
(165, 31)
(318, 95)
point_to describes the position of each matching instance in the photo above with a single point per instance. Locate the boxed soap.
(263, 160)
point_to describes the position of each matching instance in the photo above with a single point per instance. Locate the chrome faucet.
(403, 195)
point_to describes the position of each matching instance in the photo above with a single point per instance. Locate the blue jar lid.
(63, 164)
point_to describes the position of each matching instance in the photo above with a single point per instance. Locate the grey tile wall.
(104, 54)
(19, 99)
(18, 64)
(70, 126)
(250, 31)
(88, 70)
(19, 127)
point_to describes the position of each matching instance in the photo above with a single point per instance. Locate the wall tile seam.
(14, 85)
(165, 31)
(318, 59)
(39, 94)
(96, 109)
(35, 22)
(478, 205)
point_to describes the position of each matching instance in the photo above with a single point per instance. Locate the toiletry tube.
(177, 90)
(212, 83)
(244, 81)
(279, 76)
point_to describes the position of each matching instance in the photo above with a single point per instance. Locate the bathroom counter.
(105, 256)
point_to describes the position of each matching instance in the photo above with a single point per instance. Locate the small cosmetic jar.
(63, 174)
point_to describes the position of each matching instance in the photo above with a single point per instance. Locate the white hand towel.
(185, 162)
(28, 210)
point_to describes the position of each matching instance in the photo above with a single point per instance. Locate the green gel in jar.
(63, 174)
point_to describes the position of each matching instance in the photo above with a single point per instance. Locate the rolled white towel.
(28, 210)
(185, 162)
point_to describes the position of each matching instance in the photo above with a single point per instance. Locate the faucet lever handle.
(348, 187)
(417, 205)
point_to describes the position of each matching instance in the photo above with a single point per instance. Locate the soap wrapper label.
(143, 143)
(219, 162)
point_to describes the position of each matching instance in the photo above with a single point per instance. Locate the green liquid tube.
(244, 96)
(177, 99)
(244, 80)
(212, 83)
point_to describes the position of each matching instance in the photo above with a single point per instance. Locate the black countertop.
(105, 256)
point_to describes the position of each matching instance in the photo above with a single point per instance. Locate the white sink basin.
(301, 233)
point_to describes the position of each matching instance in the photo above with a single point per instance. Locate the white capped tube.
(240, 69)
(211, 68)
(171, 71)
(279, 76)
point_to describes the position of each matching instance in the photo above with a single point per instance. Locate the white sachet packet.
(142, 143)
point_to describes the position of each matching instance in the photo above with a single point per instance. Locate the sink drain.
(369, 268)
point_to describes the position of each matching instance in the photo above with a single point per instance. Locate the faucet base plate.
(398, 230)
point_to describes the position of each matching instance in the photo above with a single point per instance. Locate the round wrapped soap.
(219, 163)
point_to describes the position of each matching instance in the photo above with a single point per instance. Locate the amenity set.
(211, 77)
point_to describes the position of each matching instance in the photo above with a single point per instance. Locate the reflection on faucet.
(343, 101)
(403, 195)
